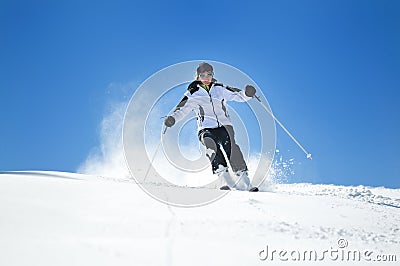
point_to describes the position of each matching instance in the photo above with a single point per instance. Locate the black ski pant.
(216, 139)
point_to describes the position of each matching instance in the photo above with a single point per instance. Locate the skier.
(215, 131)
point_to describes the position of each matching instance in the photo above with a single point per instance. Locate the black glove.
(169, 121)
(250, 91)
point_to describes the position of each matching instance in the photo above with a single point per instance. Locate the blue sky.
(329, 69)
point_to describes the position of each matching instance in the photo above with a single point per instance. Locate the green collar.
(204, 86)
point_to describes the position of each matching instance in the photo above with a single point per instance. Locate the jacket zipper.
(209, 94)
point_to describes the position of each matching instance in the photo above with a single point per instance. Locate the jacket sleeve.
(183, 108)
(234, 94)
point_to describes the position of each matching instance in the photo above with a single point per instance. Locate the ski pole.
(154, 155)
(284, 128)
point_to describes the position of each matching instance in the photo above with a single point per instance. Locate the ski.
(253, 189)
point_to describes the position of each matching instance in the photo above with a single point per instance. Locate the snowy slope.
(54, 218)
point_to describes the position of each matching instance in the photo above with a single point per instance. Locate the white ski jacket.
(210, 106)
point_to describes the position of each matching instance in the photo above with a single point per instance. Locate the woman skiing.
(215, 131)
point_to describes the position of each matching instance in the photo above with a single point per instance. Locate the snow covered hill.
(55, 218)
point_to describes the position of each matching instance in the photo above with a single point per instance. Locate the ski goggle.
(206, 75)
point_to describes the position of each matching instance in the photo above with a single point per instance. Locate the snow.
(56, 218)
